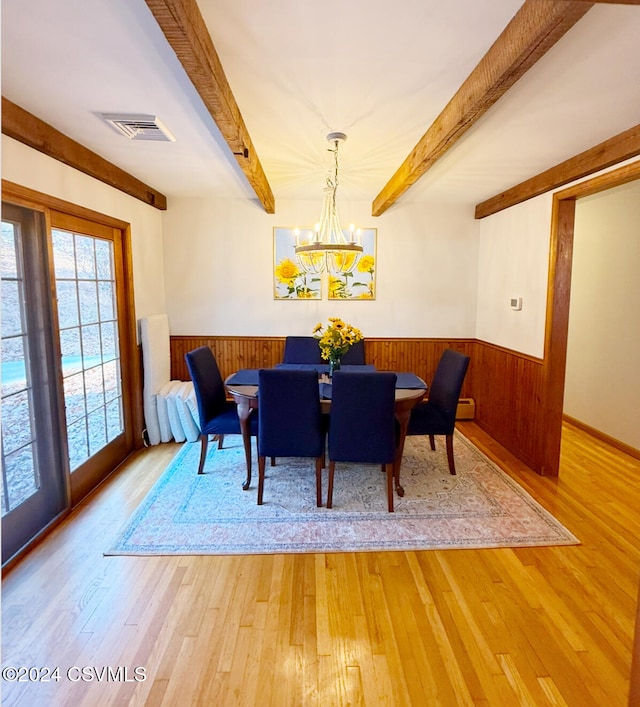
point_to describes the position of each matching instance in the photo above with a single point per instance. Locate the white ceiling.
(379, 70)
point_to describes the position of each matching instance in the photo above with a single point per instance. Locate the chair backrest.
(207, 383)
(355, 355)
(289, 414)
(444, 392)
(302, 349)
(362, 424)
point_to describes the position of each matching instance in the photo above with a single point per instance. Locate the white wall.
(602, 387)
(513, 262)
(219, 270)
(30, 168)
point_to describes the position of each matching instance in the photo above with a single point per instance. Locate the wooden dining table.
(242, 386)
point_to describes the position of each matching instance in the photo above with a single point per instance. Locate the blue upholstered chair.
(362, 424)
(305, 349)
(437, 416)
(290, 421)
(302, 349)
(217, 415)
(355, 355)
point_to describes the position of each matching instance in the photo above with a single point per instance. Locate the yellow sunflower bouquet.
(336, 338)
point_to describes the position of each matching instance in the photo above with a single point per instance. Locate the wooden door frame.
(558, 296)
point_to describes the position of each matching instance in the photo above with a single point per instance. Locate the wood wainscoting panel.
(508, 390)
(419, 356)
(506, 385)
(232, 352)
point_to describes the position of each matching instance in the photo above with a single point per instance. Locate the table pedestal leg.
(244, 412)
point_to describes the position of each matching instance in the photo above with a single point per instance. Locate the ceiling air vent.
(139, 127)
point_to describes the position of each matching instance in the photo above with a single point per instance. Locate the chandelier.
(326, 247)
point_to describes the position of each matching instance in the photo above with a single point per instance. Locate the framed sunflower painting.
(360, 280)
(290, 281)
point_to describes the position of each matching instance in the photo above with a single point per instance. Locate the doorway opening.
(557, 320)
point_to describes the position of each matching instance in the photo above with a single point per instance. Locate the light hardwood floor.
(535, 626)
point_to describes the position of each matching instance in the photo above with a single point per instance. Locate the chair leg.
(432, 442)
(220, 441)
(452, 466)
(273, 461)
(261, 465)
(204, 441)
(332, 466)
(389, 468)
(319, 482)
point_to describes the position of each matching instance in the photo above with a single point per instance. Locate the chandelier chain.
(334, 184)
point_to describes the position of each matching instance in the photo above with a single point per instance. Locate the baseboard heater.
(466, 409)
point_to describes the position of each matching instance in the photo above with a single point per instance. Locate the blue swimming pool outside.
(14, 371)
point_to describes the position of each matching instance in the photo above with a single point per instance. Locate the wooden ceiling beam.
(27, 128)
(186, 31)
(535, 28)
(621, 147)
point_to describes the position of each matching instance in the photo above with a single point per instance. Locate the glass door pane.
(33, 484)
(20, 478)
(88, 325)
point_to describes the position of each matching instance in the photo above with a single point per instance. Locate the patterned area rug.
(481, 507)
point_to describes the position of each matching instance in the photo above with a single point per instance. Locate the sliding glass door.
(67, 400)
